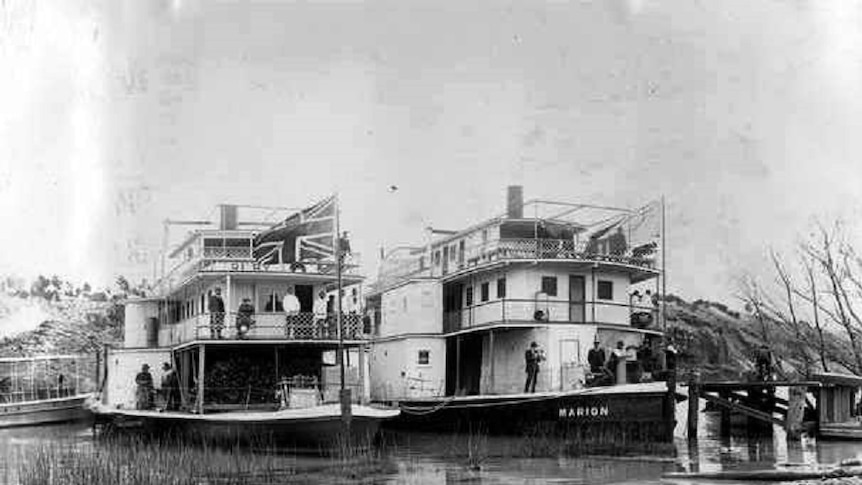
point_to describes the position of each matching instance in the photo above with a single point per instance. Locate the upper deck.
(540, 232)
(218, 253)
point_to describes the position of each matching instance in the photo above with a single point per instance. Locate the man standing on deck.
(144, 392)
(533, 356)
(291, 307)
(216, 309)
(596, 358)
(170, 388)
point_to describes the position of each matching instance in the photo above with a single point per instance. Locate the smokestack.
(228, 221)
(515, 202)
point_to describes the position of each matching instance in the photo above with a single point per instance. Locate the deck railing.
(264, 326)
(549, 311)
(508, 249)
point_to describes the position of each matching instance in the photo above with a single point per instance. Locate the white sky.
(115, 114)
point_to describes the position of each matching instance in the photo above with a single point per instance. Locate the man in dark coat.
(144, 393)
(170, 388)
(216, 309)
(533, 356)
(596, 358)
(244, 317)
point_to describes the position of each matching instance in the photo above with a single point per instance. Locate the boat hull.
(303, 432)
(48, 411)
(637, 412)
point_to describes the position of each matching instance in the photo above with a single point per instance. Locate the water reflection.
(429, 458)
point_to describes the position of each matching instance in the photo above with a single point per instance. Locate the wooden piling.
(693, 403)
(795, 411)
(724, 424)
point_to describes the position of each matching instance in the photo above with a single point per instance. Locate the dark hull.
(47, 411)
(633, 413)
(309, 434)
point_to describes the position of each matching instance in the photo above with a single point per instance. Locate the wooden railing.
(549, 311)
(263, 326)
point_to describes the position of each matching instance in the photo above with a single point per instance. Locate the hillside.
(721, 343)
(37, 326)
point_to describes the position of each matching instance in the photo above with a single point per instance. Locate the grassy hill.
(36, 326)
(721, 342)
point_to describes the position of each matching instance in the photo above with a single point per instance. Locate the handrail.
(263, 326)
(548, 311)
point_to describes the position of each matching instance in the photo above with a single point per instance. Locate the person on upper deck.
(320, 312)
(144, 392)
(244, 317)
(216, 309)
(291, 307)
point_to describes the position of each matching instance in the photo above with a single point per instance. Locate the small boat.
(257, 367)
(43, 390)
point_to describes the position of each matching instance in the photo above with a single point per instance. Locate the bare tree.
(815, 309)
(802, 348)
(752, 296)
(824, 252)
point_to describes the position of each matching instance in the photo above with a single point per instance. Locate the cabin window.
(270, 301)
(452, 254)
(501, 288)
(469, 296)
(485, 291)
(484, 236)
(424, 357)
(605, 290)
(437, 258)
(549, 285)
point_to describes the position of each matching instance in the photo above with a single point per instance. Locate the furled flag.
(304, 236)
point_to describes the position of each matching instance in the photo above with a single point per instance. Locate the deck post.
(201, 361)
(693, 404)
(491, 359)
(457, 364)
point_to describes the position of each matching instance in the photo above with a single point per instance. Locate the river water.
(430, 458)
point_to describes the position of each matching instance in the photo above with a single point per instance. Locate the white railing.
(549, 311)
(263, 326)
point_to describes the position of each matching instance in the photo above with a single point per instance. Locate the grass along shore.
(139, 462)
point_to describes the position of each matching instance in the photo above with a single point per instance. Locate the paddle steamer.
(250, 374)
(454, 317)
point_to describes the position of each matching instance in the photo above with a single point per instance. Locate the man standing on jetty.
(216, 309)
(533, 356)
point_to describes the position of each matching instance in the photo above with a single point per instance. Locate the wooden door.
(577, 298)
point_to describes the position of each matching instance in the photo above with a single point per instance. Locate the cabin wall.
(137, 312)
(397, 374)
(412, 308)
(509, 365)
(123, 366)
(524, 295)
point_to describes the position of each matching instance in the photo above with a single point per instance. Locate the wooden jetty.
(839, 418)
(755, 400)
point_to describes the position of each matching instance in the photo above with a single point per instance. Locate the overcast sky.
(115, 114)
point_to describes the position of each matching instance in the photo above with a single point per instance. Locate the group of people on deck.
(244, 315)
(604, 368)
(323, 309)
(146, 393)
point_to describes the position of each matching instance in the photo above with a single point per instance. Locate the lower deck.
(234, 375)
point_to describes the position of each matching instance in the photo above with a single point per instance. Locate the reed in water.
(135, 461)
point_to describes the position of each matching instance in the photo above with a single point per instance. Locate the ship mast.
(344, 392)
